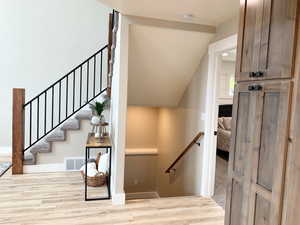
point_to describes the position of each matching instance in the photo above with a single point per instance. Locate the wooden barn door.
(265, 75)
(258, 153)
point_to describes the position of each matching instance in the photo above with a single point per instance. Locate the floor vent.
(73, 164)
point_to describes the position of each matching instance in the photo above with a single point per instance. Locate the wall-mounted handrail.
(187, 148)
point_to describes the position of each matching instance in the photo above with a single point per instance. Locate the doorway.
(219, 100)
(225, 91)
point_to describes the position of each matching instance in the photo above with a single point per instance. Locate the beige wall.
(141, 131)
(140, 173)
(177, 127)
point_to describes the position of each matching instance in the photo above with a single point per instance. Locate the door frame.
(211, 116)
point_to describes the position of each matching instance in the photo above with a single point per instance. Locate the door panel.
(266, 39)
(269, 156)
(249, 45)
(244, 122)
(242, 138)
(262, 211)
(267, 144)
(237, 203)
(259, 143)
(282, 39)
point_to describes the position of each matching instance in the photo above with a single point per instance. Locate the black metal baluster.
(30, 122)
(80, 95)
(43, 129)
(101, 71)
(52, 108)
(94, 90)
(87, 81)
(45, 114)
(73, 91)
(59, 102)
(38, 119)
(67, 93)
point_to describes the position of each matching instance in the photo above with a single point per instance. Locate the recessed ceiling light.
(225, 54)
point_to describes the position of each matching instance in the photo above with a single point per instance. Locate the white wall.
(226, 71)
(119, 111)
(177, 128)
(40, 41)
(164, 59)
(227, 28)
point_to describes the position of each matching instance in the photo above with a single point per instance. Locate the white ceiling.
(209, 12)
(162, 63)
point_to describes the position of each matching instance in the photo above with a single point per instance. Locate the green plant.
(98, 107)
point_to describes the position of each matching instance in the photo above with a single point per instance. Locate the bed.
(224, 128)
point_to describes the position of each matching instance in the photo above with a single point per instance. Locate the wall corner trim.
(118, 198)
(209, 141)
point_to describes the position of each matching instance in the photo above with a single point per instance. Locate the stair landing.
(57, 198)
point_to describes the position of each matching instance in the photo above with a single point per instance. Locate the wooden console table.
(93, 143)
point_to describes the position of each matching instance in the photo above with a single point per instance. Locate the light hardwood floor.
(220, 181)
(57, 198)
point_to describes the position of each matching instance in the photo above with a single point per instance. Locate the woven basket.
(97, 181)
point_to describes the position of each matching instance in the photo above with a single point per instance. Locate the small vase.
(97, 135)
(96, 120)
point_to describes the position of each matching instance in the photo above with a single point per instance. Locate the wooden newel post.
(18, 131)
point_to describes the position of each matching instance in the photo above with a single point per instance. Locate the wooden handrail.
(187, 148)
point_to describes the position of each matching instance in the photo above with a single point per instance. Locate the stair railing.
(187, 148)
(64, 98)
(35, 119)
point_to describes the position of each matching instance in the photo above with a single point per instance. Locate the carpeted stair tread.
(84, 115)
(57, 135)
(71, 124)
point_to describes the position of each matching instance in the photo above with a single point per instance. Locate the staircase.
(60, 107)
(45, 145)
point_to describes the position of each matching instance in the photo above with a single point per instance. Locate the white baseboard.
(142, 195)
(5, 151)
(118, 198)
(44, 168)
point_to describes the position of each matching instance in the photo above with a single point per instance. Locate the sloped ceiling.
(209, 12)
(162, 63)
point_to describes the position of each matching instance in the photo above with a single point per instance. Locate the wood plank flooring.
(57, 198)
